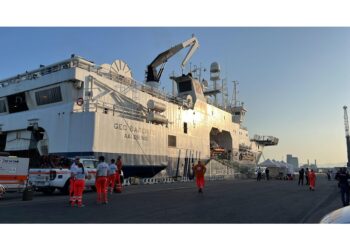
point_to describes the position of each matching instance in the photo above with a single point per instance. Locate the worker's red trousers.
(71, 189)
(111, 182)
(118, 182)
(200, 181)
(101, 187)
(78, 191)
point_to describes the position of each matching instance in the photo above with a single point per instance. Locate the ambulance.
(13, 174)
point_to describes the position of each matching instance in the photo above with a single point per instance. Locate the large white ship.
(75, 107)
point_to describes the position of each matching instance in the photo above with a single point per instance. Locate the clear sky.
(293, 81)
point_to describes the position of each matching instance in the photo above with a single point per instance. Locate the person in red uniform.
(118, 174)
(101, 180)
(312, 180)
(199, 172)
(112, 169)
(73, 167)
(79, 183)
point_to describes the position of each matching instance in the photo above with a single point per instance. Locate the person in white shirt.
(79, 174)
(73, 167)
(101, 180)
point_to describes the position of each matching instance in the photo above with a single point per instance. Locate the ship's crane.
(153, 76)
(347, 136)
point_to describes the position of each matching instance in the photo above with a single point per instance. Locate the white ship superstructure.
(76, 107)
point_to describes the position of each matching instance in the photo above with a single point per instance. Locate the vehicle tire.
(65, 189)
(93, 188)
(49, 191)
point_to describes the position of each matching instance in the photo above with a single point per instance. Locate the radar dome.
(214, 71)
(214, 67)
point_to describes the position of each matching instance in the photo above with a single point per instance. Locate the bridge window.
(48, 96)
(3, 108)
(17, 103)
(171, 141)
(185, 127)
(185, 86)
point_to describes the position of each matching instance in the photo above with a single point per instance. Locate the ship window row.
(3, 108)
(48, 96)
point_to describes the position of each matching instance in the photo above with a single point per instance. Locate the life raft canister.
(80, 101)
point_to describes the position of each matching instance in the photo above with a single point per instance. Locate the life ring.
(80, 101)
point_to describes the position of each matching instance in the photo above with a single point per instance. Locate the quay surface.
(225, 201)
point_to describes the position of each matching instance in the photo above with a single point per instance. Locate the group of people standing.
(108, 178)
(259, 174)
(310, 178)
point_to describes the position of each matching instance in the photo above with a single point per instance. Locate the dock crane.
(347, 136)
(153, 76)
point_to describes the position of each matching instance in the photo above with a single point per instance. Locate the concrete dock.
(225, 201)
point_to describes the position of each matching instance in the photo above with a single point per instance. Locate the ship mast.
(347, 136)
(234, 103)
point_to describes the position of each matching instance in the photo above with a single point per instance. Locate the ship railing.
(105, 107)
(130, 83)
(79, 62)
(34, 74)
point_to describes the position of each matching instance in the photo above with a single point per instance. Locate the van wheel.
(65, 189)
(49, 191)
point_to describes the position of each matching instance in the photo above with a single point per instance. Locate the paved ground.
(229, 201)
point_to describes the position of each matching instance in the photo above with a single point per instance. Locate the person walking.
(329, 175)
(267, 173)
(120, 176)
(101, 180)
(307, 176)
(199, 172)
(258, 178)
(301, 177)
(112, 169)
(79, 183)
(72, 168)
(312, 180)
(344, 186)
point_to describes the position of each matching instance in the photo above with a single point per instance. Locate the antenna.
(215, 76)
(234, 95)
(224, 93)
(347, 136)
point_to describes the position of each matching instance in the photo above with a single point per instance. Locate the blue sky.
(293, 81)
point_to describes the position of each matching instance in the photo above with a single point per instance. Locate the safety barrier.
(215, 178)
(126, 182)
(164, 180)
